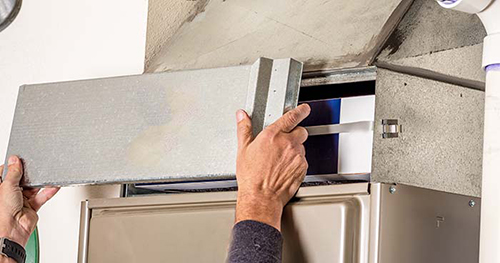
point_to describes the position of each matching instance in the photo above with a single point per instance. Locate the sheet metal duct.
(146, 128)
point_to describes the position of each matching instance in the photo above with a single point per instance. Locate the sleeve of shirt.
(254, 241)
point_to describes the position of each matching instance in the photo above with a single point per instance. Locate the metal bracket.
(273, 90)
(390, 128)
(351, 127)
(339, 76)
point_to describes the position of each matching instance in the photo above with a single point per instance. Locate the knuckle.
(297, 150)
(290, 148)
(297, 159)
(242, 127)
(303, 131)
(292, 118)
(305, 164)
(269, 135)
(266, 134)
(34, 220)
(13, 169)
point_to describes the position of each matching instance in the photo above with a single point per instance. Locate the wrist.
(12, 232)
(4, 259)
(266, 210)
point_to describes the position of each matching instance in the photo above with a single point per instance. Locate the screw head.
(392, 189)
(472, 203)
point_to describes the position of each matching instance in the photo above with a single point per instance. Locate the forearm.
(9, 230)
(259, 207)
(12, 231)
(254, 241)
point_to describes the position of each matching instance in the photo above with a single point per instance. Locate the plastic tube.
(467, 6)
(489, 13)
(490, 204)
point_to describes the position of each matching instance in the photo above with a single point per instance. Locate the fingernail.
(306, 107)
(240, 115)
(12, 160)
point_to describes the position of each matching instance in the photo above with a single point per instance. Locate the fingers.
(299, 173)
(302, 171)
(30, 192)
(14, 171)
(299, 134)
(244, 129)
(302, 150)
(1, 173)
(291, 119)
(305, 166)
(42, 197)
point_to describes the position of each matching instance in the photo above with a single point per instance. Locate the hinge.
(390, 128)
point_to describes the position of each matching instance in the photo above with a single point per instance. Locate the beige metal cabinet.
(359, 222)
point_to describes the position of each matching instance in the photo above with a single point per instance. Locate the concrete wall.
(442, 140)
(58, 40)
(165, 17)
(437, 39)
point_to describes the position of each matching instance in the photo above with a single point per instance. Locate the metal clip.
(390, 128)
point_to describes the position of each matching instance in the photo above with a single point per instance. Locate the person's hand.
(270, 167)
(18, 206)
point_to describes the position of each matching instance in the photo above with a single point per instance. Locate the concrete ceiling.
(215, 33)
(407, 36)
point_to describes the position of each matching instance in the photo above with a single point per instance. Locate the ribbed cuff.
(254, 241)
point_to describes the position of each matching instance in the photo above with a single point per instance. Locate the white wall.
(56, 40)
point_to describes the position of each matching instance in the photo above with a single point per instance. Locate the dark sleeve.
(254, 241)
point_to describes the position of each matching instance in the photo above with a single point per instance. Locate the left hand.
(19, 206)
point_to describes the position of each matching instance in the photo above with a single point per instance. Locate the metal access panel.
(154, 127)
(323, 224)
(420, 225)
(427, 133)
(346, 223)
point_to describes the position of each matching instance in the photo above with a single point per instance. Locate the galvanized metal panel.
(339, 76)
(419, 225)
(440, 146)
(154, 127)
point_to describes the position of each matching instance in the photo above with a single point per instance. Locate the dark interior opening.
(331, 91)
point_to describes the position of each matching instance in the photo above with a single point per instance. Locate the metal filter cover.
(171, 126)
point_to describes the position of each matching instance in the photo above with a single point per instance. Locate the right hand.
(270, 167)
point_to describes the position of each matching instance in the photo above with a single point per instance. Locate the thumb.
(14, 171)
(244, 129)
